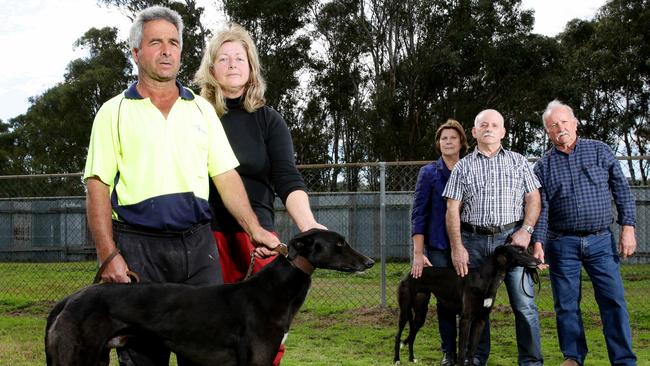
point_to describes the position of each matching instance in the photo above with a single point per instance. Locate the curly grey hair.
(154, 13)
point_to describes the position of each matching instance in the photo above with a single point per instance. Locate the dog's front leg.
(476, 332)
(464, 335)
(420, 308)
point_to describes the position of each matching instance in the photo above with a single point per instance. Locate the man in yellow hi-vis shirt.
(153, 150)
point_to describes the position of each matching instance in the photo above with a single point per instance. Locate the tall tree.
(435, 59)
(339, 84)
(9, 156)
(277, 28)
(624, 37)
(607, 58)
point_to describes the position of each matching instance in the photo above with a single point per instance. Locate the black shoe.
(448, 359)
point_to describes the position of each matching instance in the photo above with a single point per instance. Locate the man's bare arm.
(99, 211)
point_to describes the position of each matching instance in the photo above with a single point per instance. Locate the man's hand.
(115, 271)
(627, 241)
(315, 225)
(460, 259)
(419, 262)
(520, 238)
(265, 242)
(538, 252)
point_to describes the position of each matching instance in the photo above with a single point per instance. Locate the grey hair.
(551, 106)
(154, 13)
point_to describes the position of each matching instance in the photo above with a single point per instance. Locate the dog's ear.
(300, 241)
(502, 259)
(501, 254)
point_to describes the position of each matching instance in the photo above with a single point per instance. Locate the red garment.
(235, 257)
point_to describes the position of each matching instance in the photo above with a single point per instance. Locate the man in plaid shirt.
(577, 176)
(491, 194)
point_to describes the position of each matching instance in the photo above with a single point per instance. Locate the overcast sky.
(37, 38)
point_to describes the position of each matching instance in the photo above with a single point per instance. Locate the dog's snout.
(369, 262)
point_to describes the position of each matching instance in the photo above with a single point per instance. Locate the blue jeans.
(446, 317)
(522, 301)
(597, 253)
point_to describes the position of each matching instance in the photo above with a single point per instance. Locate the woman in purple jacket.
(430, 241)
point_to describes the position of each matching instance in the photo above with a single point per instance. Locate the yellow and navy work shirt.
(158, 169)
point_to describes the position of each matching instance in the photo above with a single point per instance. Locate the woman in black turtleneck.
(230, 78)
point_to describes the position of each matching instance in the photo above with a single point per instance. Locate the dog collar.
(302, 264)
(281, 249)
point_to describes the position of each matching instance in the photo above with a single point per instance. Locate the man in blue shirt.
(577, 176)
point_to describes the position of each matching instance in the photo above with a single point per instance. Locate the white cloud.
(551, 16)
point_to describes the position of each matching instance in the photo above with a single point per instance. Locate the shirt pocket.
(192, 149)
(514, 178)
(475, 183)
(596, 175)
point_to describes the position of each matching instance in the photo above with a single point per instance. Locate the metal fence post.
(382, 229)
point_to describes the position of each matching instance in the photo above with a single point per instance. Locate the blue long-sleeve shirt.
(429, 207)
(577, 189)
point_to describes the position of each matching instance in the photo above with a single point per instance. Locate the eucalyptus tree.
(436, 59)
(278, 29)
(607, 58)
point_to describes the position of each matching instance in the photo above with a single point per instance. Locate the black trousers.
(188, 257)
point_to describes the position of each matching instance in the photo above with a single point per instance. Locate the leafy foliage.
(373, 79)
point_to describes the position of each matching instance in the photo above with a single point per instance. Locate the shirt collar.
(132, 92)
(575, 147)
(477, 152)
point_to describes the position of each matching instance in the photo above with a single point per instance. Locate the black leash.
(534, 275)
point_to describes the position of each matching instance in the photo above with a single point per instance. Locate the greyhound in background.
(471, 296)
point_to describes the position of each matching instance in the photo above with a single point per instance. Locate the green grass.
(341, 322)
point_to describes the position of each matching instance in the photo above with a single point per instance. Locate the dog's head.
(329, 250)
(513, 256)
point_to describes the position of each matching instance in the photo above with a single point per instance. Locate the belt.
(124, 227)
(579, 233)
(488, 230)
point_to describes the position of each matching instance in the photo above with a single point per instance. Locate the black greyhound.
(472, 296)
(235, 324)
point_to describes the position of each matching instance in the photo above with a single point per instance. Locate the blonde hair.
(210, 88)
(452, 124)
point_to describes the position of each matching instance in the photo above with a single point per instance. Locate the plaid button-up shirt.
(576, 190)
(491, 189)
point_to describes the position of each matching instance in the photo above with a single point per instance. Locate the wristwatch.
(529, 229)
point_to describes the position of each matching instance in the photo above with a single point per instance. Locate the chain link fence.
(46, 249)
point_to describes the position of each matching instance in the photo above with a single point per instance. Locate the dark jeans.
(189, 257)
(446, 317)
(566, 255)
